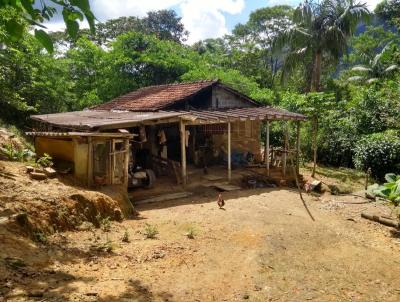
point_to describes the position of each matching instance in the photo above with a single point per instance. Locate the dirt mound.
(9, 139)
(50, 205)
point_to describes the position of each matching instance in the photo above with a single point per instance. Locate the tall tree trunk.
(314, 143)
(315, 86)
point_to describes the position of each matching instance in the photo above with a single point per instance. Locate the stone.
(36, 293)
(29, 169)
(118, 215)
(38, 176)
(50, 172)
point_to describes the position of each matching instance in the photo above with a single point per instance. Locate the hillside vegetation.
(332, 60)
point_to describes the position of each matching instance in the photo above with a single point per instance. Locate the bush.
(380, 152)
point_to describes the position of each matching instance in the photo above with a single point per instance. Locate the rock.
(85, 226)
(324, 188)
(37, 293)
(22, 219)
(29, 169)
(50, 172)
(38, 176)
(92, 294)
(118, 215)
(246, 297)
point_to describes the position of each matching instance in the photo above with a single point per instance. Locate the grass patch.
(150, 231)
(339, 179)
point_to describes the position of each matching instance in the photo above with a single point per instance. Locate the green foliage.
(150, 231)
(378, 151)
(125, 237)
(319, 34)
(15, 154)
(104, 222)
(391, 189)
(45, 161)
(191, 233)
(35, 13)
(40, 237)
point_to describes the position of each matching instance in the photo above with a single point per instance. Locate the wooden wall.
(57, 148)
(245, 137)
(222, 99)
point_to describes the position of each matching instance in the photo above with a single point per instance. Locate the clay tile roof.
(153, 98)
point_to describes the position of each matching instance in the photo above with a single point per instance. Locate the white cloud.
(202, 18)
(106, 9)
(205, 19)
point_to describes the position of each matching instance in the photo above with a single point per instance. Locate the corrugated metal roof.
(97, 119)
(254, 113)
(154, 98)
(79, 134)
(102, 120)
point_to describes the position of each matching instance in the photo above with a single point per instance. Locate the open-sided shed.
(187, 114)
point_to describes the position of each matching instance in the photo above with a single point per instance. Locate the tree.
(389, 10)
(320, 33)
(376, 68)
(35, 12)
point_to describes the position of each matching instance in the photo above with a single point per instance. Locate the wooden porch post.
(229, 153)
(90, 162)
(285, 149)
(266, 151)
(297, 147)
(126, 166)
(183, 152)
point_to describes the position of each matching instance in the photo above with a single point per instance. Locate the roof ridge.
(181, 83)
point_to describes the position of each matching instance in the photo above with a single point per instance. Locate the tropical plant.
(390, 190)
(45, 161)
(376, 69)
(320, 33)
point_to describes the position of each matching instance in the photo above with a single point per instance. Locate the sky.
(202, 18)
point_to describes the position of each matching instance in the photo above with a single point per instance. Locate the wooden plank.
(126, 166)
(226, 187)
(212, 177)
(267, 159)
(164, 197)
(297, 147)
(229, 153)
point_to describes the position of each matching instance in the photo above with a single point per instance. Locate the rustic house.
(169, 128)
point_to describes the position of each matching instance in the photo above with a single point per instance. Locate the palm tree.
(319, 34)
(375, 69)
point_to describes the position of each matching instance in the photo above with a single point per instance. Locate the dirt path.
(263, 247)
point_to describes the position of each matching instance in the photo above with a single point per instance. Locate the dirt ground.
(262, 247)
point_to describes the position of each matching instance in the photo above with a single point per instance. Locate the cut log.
(38, 176)
(381, 220)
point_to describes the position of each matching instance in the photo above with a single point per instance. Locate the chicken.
(220, 201)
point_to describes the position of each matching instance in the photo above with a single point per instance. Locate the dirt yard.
(262, 247)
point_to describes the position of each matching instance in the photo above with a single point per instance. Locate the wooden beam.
(266, 151)
(285, 149)
(183, 152)
(90, 162)
(126, 168)
(297, 146)
(229, 153)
